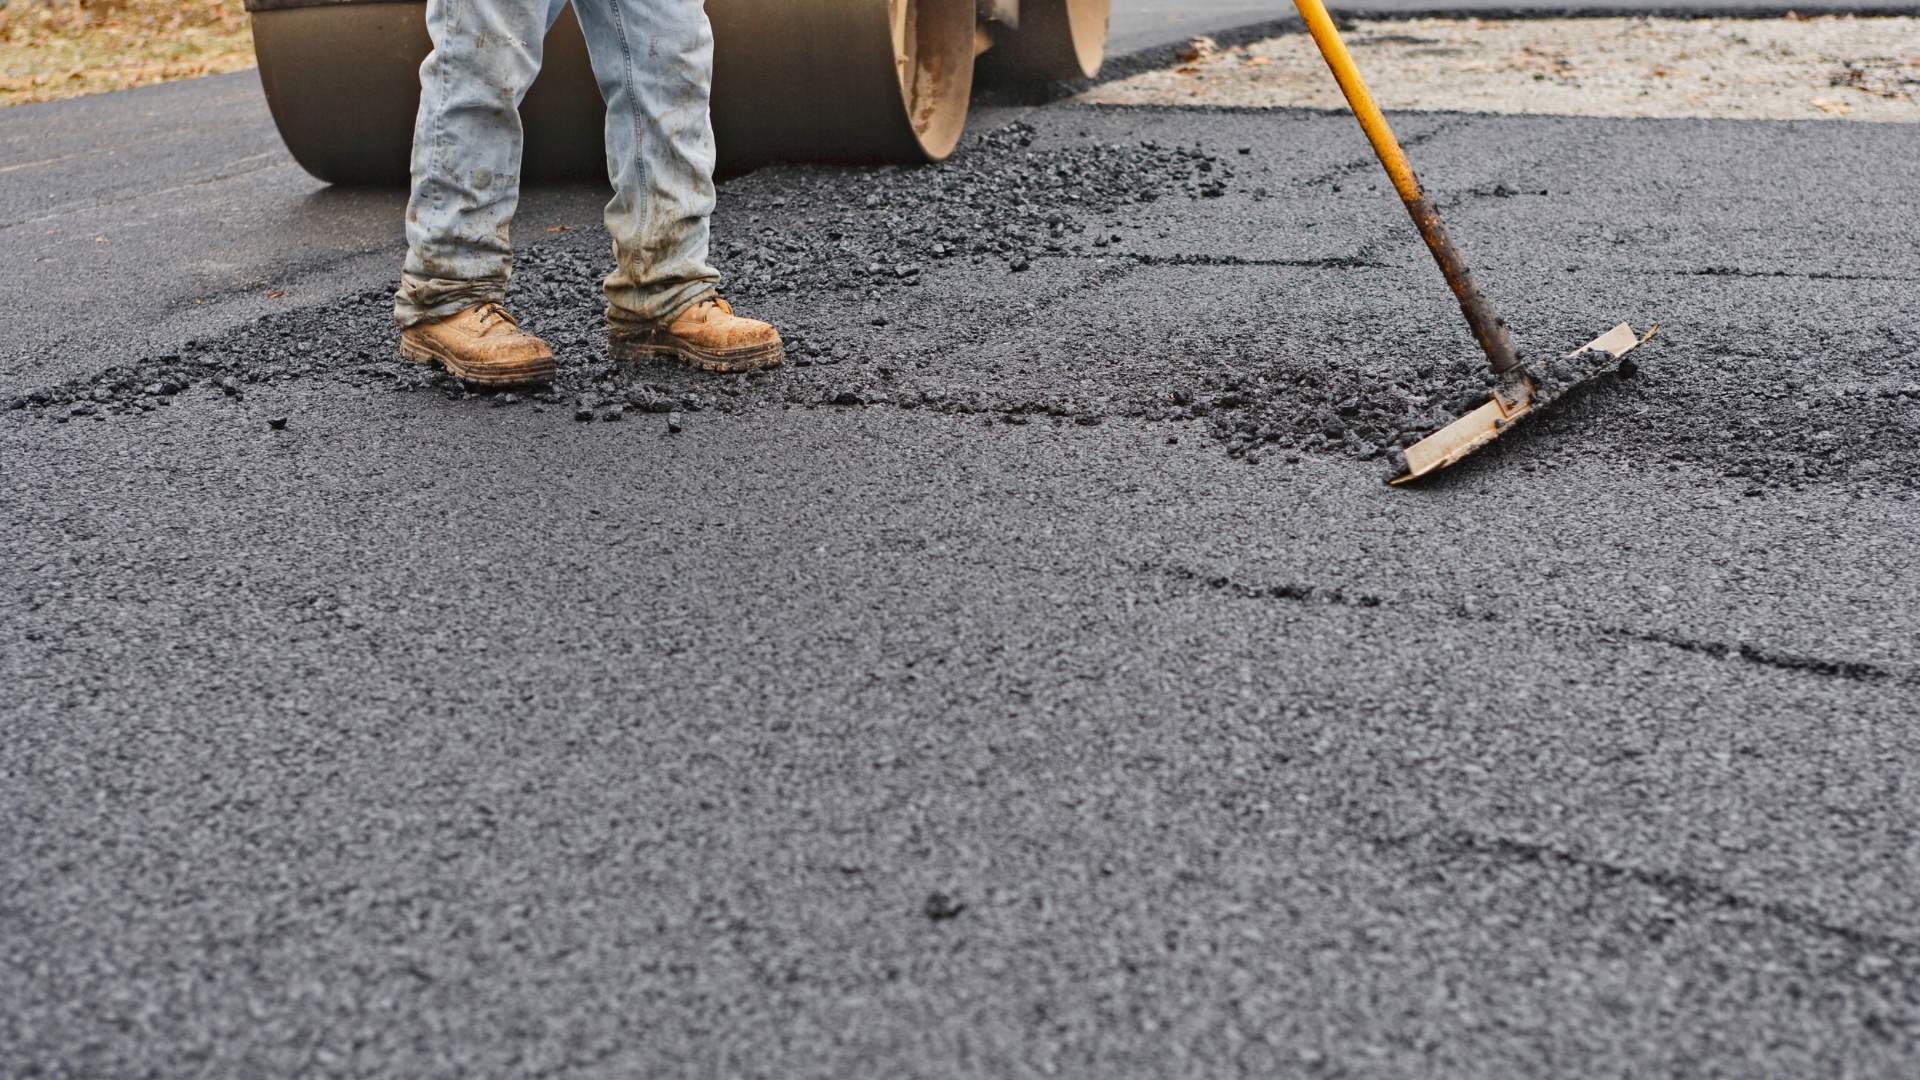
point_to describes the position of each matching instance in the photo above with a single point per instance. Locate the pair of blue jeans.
(653, 60)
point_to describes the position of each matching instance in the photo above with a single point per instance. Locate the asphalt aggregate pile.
(855, 265)
(1030, 679)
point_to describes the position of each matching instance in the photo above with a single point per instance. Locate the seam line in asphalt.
(1855, 670)
(156, 137)
(83, 207)
(1684, 886)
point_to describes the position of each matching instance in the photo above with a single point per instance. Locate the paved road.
(1032, 713)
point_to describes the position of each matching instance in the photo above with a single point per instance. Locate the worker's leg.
(654, 62)
(466, 154)
(466, 184)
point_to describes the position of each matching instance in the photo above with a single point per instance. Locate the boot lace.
(491, 312)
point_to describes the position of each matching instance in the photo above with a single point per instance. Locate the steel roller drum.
(1054, 39)
(794, 80)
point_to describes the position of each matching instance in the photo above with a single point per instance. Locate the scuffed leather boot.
(707, 336)
(482, 346)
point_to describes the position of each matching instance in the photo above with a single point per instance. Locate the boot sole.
(650, 345)
(533, 371)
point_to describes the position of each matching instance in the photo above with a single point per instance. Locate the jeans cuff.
(662, 307)
(428, 300)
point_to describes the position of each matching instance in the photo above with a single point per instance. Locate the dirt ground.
(63, 49)
(1831, 67)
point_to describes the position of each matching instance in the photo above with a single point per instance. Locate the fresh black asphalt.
(1035, 677)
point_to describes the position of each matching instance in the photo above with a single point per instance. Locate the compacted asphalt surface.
(1034, 678)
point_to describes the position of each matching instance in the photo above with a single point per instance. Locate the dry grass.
(65, 48)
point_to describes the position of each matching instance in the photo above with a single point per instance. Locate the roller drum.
(797, 80)
(343, 84)
(840, 80)
(1054, 39)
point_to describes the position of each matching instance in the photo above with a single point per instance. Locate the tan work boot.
(483, 346)
(708, 336)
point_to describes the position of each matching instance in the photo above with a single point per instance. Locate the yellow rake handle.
(1489, 329)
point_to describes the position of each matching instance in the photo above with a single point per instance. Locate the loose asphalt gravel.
(1035, 677)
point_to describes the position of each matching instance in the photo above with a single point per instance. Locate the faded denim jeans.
(653, 60)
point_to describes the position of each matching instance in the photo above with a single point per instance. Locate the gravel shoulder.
(1778, 69)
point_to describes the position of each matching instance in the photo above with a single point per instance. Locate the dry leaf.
(1200, 48)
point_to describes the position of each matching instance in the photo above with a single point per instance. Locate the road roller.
(846, 81)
